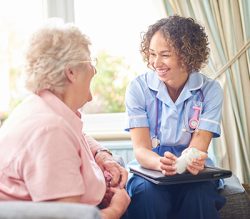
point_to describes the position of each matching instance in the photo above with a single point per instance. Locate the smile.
(162, 73)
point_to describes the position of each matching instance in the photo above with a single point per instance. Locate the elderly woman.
(44, 156)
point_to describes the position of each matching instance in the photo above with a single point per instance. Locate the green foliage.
(3, 116)
(15, 93)
(109, 85)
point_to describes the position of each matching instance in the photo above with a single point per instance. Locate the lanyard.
(156, 122)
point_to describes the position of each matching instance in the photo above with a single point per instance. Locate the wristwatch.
(103, 149)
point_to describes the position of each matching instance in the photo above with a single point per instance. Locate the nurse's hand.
(196, 165)
(168, 163)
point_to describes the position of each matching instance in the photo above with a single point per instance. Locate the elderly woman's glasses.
(92, 61)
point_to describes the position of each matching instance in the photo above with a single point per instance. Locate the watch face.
(193, 124)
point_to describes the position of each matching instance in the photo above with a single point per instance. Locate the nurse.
(171, 108)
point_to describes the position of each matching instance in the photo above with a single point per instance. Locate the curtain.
(61, 8)
(226, 23)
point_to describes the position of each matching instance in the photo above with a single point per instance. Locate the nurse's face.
(165, 62)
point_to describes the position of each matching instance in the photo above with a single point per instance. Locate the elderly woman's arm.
(93, 144)
(118, 174)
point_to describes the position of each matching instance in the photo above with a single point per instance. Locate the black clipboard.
(209, 173)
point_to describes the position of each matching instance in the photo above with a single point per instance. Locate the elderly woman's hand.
(114, 173)
(106, 199)
(118, 204)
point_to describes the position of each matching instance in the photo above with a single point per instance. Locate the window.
(114, 27)
(17, 20)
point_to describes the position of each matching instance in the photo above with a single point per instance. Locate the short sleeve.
(136, 106)
(93, 144)
(52, 165)
(211, 114)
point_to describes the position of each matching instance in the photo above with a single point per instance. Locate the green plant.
(3, 116)
(109, 85)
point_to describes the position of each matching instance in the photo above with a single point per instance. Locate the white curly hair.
(53, 47)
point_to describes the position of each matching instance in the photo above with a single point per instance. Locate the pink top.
(45, 156)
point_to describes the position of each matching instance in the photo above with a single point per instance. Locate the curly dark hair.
(187, 37)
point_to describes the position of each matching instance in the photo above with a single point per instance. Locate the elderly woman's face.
(165, 61)
(85, 73)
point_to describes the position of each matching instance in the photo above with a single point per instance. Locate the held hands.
(120, 199)
(115, 174)
(191, 159)
(113, 193)
(117, 204)
(116, 199)
(106, 199)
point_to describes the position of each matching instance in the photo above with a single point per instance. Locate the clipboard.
(156, 177)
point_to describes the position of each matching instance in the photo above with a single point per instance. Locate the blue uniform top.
(173, 117)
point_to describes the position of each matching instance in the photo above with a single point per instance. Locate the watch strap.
(103, 149)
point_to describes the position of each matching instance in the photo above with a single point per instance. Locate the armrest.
(46, 210)
(232, 186)
(238, 203)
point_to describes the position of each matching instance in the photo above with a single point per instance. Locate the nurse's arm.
(142, 146)
(201, 140)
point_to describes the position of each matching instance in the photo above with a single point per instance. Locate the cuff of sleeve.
(215, 128)
(137, 122)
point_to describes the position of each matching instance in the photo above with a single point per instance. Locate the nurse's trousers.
(199, 200)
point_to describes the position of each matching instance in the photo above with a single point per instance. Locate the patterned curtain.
(226, 22)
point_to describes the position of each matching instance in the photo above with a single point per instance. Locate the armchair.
(238, 202)
(46, 210)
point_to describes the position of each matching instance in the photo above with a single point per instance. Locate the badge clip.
(155, 142)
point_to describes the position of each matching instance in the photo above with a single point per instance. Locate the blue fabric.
(147, 97)
(161, 149)
(177, 150)
(190, 201)
(141, 105)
